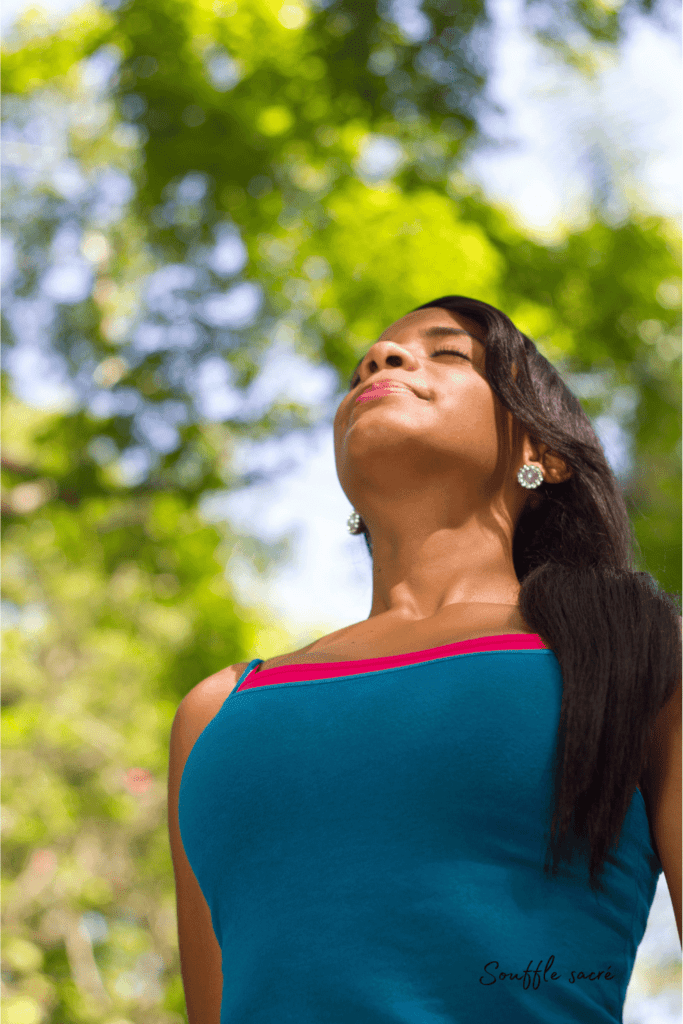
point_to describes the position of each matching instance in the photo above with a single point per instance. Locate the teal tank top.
(370, 837)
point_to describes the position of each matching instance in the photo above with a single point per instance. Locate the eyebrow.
(427, 332)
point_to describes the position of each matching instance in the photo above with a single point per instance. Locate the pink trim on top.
(331, 669)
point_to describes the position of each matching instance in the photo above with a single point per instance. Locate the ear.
(554, 468)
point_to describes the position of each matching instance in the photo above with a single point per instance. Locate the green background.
(246, 121)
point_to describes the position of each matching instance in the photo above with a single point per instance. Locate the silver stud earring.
(530, 476)
(354, 523)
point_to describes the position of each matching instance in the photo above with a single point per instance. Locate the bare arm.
(665, 796)
(200, 954)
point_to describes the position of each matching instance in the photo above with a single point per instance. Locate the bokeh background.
(211, 209)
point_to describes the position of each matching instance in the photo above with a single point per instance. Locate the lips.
(381, 388)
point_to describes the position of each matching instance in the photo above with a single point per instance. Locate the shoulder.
(665, 737)
(199, 706)
(200, 952)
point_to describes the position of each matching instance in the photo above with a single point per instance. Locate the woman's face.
(446, 416)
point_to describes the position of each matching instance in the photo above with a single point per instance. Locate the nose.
(385, 353)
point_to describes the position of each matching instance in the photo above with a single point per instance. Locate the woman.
(368, 819)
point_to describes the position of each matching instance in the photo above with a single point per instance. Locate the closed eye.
(450, 352)
(438, 352)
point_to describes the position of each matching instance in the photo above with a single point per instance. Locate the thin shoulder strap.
(250, 666)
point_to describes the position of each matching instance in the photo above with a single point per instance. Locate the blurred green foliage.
(188, 181)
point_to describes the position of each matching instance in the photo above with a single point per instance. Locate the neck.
(421, 572)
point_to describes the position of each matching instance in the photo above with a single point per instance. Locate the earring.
(354, 523)
(530, 476)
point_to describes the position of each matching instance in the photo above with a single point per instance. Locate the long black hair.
(614, 631)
